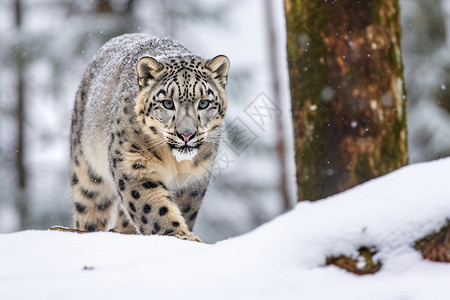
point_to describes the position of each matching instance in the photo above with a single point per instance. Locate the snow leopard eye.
(203, 104)
(168, 104)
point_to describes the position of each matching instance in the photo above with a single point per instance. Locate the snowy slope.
(283, 259)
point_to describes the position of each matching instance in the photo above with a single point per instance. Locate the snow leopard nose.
(186, 136)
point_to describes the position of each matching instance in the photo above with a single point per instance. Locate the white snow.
(283, 259)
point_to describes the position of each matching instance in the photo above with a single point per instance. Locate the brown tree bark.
(347, 92)
(351, 264)
(103, 6)
(436, 246)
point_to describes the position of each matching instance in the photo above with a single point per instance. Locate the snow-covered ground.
(283, 259)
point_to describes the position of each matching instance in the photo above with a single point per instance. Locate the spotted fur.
(145, 132)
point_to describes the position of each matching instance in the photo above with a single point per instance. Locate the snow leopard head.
(182, 101)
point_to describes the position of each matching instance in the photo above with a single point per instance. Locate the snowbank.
(283, 259)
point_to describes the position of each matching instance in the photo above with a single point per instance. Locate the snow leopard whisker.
(156, 146)
(213, 139)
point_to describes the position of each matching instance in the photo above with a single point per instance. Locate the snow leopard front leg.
(151, 210)
(146, 201)
(189, 200)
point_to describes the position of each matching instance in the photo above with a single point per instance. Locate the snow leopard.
(145, 132)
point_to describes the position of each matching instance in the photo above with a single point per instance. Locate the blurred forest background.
(47, 44)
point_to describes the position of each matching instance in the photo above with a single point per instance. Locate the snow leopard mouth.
(184, 147)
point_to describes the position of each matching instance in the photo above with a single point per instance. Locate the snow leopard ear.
(147, 68)
(219, 65)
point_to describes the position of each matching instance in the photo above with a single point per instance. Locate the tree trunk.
(347, 92)
(103, 7)
(21, 197)
(275, 80)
